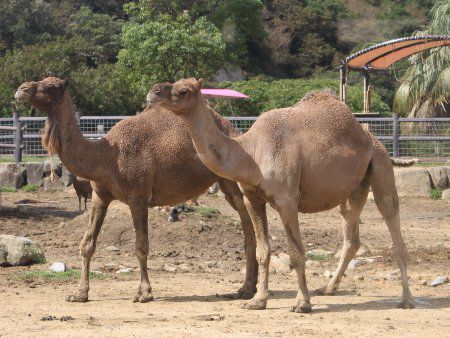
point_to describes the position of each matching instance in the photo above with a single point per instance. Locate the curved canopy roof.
(223, 93)
(383, 55)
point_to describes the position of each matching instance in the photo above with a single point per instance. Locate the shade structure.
(383, 55)
(223, 93)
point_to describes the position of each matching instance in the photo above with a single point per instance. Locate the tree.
(166, 49)
(425, 87)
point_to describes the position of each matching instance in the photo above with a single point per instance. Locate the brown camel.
(145, 160)
(307, 158)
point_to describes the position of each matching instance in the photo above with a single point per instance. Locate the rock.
(210, 264)
(58, 267)
(112, 248)
(170, 267)
(446, 194)
(185, 267)
(35, 173)
(312, 263)
(125, 270)
(363, 250)
(66, 176)
(309, 245)
(358, 278)
(439, 281)
(279, 265)
(49, 165)
(12, 175)
(20, 251)
(439, 177)
(412, 182)
(50, 185)
(328, 274)
(355, 262)
(231, 74)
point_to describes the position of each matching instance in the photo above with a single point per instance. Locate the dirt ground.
(198, 300)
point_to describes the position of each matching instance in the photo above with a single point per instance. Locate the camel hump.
(319, 95)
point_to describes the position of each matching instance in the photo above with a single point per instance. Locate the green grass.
(50, 276)
(435, 194)
(207, 211)
(318, 257)
(8, 189)
(10, 159)
(30, 187)
(428, 164)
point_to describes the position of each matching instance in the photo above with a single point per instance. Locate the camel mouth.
(21, 96)
(154, 97)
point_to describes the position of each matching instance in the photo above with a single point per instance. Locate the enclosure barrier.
(425, 138)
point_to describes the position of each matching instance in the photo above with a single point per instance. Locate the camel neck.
(223, 155)
(81, 157)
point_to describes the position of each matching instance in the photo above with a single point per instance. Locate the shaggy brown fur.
(144, 160)
(307, 158)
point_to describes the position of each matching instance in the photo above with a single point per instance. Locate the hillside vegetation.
(115, 50)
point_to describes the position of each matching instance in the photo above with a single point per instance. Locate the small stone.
(210, 264)
(58, 267)
(170, 267)
(354, 263)
(112, 248)
(279, 265)
(363, 250)
(185, 267)
(328, 274)
(439, 281)
(311, 263)
(424, 283)
(358, 278)
(274, 238)
(309, 245)
(125, 270)
(446, 194)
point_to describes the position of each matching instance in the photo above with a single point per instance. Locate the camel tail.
(403, 163)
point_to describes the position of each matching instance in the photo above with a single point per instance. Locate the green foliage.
(207, 212)
(317, 257)
(425, 87)
(272, 94)
(165, 49)
(30, 188)
(8, 189)
(435, 194)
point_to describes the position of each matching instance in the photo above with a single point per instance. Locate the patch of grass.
(8, 189)
(428, 164)
(52, 190)
(30, 188)
(435, 194)
(49, 275)
(10, 159)
(207, 211)
(318, 257)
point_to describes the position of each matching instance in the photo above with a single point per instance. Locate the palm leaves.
(424, 90)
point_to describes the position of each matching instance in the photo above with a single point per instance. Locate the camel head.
(180, 97)
(44, 95)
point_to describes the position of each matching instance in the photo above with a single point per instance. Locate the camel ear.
(66, 82)
(199, 84)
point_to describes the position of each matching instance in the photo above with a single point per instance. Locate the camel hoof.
(77, 298)
(406, 304)
(255, 304)
(303, 308)
(245, 294)
(140, 298)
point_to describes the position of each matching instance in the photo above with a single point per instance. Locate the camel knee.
(141, 251)
(87, 247)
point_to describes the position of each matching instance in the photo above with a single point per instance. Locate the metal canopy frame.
(381, 56)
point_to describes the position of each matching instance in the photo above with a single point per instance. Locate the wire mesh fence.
(426, 139)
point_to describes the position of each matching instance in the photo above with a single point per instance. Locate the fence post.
(395, 135)
(78, 117)
(17, 137)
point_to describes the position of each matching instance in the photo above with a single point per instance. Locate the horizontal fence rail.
(425, 138)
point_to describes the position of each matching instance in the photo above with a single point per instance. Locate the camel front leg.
(139, 212)
(234, 196)
(257, 210)
(87, 245)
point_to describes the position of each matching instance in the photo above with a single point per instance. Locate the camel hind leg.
(385, 196)
(350, 220)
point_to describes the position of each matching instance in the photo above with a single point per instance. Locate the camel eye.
(50, 90)
(183, 92)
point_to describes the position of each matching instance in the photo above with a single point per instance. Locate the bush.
(270, 94)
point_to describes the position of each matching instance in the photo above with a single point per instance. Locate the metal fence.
(426, 139)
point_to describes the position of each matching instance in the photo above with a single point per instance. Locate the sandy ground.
(201, 301)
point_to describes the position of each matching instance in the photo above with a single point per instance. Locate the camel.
(311, 157)
(143, 161)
